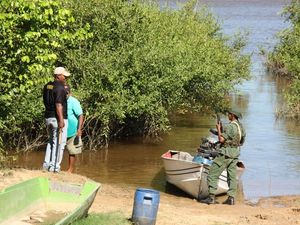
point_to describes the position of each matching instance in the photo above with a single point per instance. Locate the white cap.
(61, 71)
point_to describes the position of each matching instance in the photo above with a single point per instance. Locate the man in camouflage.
(231, 138)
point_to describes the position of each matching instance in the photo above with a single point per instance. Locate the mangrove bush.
(144, 63)
(285, 59)
(34, 34)
(132, 63)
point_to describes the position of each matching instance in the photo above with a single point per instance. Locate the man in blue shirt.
(75, 123)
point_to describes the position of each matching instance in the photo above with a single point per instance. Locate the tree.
(34, 35)
(144, 63)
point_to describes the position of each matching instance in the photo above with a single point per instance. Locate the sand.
(175, 210)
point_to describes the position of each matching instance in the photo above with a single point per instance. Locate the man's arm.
(80, 125)
(220, 137)
(59, 111)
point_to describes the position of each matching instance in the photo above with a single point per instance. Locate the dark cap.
(235, 112)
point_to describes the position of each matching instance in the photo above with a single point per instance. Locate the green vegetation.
(144, 63)
(285, 59)
(132, 65)
(114, 218)
(33, 35)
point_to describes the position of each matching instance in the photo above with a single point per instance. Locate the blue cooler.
(145, 206)
(198, 159)
(207, 161)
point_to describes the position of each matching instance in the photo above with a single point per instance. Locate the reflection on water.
(271, 152)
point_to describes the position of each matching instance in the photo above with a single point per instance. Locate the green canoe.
(43, 201)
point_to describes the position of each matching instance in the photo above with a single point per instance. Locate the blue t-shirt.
(74, 111)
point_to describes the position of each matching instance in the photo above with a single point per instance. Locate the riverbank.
(174, 210)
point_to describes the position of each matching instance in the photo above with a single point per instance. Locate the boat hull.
(189, 176)
(41, 200)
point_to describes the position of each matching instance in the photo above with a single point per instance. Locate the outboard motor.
(209, 148)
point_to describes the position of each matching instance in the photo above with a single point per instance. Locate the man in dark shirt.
(55, 101)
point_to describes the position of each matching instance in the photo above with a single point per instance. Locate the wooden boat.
(191, 176)
(42, 201)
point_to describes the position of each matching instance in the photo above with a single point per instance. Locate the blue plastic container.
(145, 206)
(207, 161)
(198, 159)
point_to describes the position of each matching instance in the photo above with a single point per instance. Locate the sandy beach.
(174, 210)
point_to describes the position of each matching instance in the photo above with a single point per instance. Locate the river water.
(271, 152)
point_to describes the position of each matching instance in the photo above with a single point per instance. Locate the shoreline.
(175, 210)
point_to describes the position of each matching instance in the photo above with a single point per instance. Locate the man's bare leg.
(71, 163)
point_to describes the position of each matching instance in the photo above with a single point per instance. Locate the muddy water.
(271, 153)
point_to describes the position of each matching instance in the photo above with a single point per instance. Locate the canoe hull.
(39, 198)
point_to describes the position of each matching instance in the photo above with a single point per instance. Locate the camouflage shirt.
(234, 135)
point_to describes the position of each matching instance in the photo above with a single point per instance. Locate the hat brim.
(66, 74)
(238, 115)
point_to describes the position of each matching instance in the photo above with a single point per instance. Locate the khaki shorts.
(72, 148)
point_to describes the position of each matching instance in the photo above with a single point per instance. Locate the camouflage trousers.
(221, 163)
